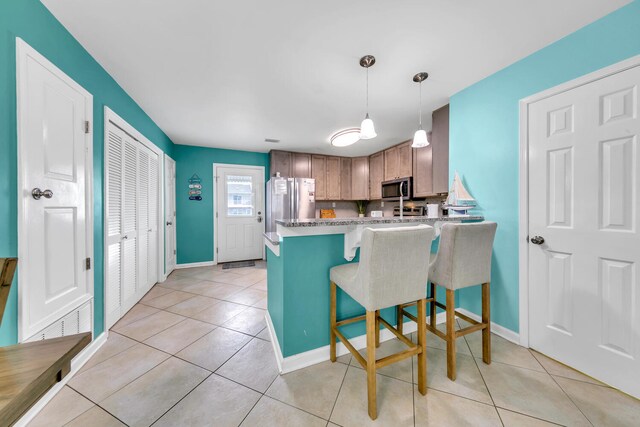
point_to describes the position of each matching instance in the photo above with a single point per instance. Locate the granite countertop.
(318, 222)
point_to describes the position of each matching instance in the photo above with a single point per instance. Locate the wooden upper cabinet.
(376, 175)
(360, 178)
(422, 172)
(405, 160)
(391, 161)
(440, 149)
(346, 176)
(333, 178)
(301, 165)
(319, 173)
(280, 161)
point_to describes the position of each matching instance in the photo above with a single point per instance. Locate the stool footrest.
(470, 329)
(395, 332)
(351, 348)
(352, 320)
(381, 363)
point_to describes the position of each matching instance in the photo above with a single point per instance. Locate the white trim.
(272, 247)
(215, 201)
(194, 264)
(165, 270)
(523, 203)
(499, 330)
(76, 364)
(321, 354)
(24, 50)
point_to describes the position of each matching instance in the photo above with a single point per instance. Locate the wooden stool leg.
(377, 328)
(332, 315)
(371, 364)
(432, 305)
(422, 342)
(400, 318)
(451, 335)
(486, 319)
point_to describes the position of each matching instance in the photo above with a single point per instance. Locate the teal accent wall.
(484, 138)
(194, 228)
(31, 21)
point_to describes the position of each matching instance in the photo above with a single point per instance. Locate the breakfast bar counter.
(299, 257)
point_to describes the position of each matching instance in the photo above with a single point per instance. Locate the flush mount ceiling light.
(345, 137)
(367, 130)
(420, 137)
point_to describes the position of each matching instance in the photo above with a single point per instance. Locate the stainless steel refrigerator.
(290, 198)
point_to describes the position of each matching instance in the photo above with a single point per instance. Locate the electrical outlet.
(382, 204)
(333, 204)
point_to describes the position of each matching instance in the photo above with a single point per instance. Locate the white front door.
(55, 212)
(170, 214)
(239, 212)
(584, 201)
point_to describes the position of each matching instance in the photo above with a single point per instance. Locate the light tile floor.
(195, 352)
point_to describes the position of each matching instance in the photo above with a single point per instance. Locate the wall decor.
(195, 187)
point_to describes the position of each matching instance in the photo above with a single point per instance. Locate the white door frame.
(215, 201)
(523, 204)
(23, 51)
(111, 116)
(164, 217)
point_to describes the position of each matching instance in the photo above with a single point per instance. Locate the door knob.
(37, 193)
(169, 223)
(259, 219)
(537, 240)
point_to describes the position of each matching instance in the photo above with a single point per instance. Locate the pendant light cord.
(420, 113)
(367, 91)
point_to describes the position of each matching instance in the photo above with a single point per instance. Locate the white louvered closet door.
(143, 218)
(154, 203)
(130, 224)
(113, 221)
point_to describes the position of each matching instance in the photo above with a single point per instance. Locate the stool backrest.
(464, 255)
(394, 265)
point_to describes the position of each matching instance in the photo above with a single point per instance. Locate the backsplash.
(349, 209)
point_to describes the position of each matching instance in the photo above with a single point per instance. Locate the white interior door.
(584, 284)
(55, 212)
(170, 214)
(240, 212)
(153, 219)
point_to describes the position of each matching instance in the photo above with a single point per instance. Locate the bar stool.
(463, 260)
(392, 270)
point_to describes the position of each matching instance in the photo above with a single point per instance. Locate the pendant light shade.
(420, 137)
(367, 129)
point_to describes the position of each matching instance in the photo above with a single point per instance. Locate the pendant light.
(367, 130)
(420, 137)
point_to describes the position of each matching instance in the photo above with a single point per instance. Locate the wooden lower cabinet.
(376, 175)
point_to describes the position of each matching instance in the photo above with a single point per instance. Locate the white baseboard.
(501, 331)
(195, 264)
(76, 364)
(321, 354)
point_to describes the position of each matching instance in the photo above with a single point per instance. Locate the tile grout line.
(344, 377)
(182, 398)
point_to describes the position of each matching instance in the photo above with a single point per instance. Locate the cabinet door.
(333, 178)
(422, 172)
(301, 165)
(360, 178)
(280, 161)
(376, 175)
(319, 173)
(346, 176)
(391, 163)
(440, 144)
(405, 160)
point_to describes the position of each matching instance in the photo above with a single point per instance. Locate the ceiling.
(229, 74)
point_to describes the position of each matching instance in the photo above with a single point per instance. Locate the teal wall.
(31, 21)
(484, 137)
(194, 226)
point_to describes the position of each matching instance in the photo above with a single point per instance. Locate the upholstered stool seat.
(393, 270)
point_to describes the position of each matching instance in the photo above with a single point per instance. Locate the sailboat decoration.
(459, 201)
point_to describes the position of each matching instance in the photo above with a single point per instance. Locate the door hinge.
(216, 250)
(216, 214)
(87, 126)
(87, 263)
(174, 251)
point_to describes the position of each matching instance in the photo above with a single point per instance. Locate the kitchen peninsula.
(299, 256)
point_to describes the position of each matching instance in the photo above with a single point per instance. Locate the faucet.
(401, 207)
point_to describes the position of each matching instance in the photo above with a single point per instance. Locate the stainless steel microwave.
(394, 189)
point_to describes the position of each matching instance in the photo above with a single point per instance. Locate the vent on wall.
(79, 320)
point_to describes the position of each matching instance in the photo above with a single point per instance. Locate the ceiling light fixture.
(345, 137)
(367, 130)
(420, 137)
